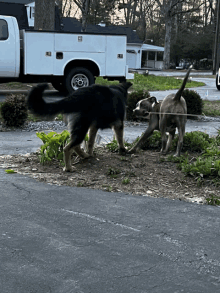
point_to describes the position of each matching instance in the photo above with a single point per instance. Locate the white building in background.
(30, 13)
(141, 56)
(152, 56)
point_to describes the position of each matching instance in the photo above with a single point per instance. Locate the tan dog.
(173, 104)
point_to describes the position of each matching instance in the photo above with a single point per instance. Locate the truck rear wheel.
(77, 78)
(217, 85)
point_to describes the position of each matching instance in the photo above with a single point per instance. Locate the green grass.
(211, 108)
(153, 83)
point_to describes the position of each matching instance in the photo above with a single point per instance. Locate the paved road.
(73, 240)
(76, 240)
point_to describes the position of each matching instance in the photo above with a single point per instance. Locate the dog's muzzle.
(140, 113)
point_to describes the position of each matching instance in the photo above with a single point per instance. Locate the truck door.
(9, 47)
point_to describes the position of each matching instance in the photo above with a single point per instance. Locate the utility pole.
(216, 48)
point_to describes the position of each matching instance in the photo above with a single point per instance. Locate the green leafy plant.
(53, 146)
(14, 110)
(10, 171)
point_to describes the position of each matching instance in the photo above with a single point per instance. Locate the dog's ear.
(153, 100)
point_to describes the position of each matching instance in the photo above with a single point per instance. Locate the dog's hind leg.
(74, 145)
(119, 133)
(163, 136)
(170, 139)
(181, 131)
(68, 150)
(92, 135)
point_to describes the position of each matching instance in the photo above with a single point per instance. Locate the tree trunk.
(166, 56)
(44, 15)
(85, 11)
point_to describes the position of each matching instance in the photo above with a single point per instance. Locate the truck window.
(3, 30)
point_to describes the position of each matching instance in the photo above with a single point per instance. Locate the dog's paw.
(163, 152)
(132, 151)
(68, 169)
(86, 156)
(122, 151)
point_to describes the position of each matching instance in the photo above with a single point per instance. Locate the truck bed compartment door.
(39, 53)
(116, 55)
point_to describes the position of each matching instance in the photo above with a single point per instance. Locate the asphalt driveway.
(62, 239)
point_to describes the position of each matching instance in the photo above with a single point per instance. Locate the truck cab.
(9, 47)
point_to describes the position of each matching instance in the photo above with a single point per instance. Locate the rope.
(176, 114)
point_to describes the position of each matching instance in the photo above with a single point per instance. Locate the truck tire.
(78, 77)
(217, 86)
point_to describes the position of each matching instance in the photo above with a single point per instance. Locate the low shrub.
(194, 102)
(14, 110)
(133, 98)
(153, 142)
(195, 141)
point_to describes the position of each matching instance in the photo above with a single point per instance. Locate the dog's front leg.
(67, 158)
(92, 135)
(119, 133)
(148, 132)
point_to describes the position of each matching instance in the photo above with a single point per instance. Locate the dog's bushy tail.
(180, 91)
(37, 105)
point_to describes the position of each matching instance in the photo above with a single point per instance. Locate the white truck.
(67, 60)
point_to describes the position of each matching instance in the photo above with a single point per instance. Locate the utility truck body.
(67, 60)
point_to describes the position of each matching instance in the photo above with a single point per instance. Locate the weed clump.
(14, 110)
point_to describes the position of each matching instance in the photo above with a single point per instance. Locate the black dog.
(88, 108)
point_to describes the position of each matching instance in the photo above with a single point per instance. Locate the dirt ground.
(142, 174)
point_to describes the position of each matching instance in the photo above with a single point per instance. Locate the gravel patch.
(37, 126)
(60, 125)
